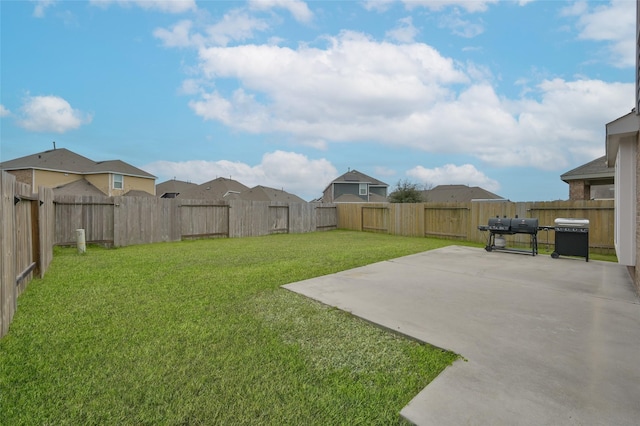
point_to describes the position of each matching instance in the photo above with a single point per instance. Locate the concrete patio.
(545, 341)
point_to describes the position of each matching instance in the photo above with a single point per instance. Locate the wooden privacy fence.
(123, 221)
(461, 220)
(31, 224)
(26, 241)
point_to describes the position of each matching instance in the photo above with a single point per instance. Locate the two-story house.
(60, 167)
(355, 187)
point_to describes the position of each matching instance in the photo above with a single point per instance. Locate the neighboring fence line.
(123, 221)
(26, 241)
(461, 220)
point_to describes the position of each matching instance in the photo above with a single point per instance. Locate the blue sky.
(506, 95)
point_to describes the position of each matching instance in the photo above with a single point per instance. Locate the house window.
(118, 181)
(363, 189)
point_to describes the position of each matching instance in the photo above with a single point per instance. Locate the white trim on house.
(621, 147)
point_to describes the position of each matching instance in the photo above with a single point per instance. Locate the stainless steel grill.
(572, 238)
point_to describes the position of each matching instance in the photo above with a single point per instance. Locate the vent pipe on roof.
(54, 145)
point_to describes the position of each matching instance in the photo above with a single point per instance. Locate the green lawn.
(199, 332)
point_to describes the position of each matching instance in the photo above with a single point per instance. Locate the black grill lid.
(499, 224)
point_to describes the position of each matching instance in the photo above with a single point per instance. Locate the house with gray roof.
(216, 189)
(593, 180)
(264, 193)
(355, 187)
(77, 187)
(172, 188)
(457, 194)
(59, 167)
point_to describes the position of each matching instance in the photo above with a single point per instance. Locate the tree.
(406, 192)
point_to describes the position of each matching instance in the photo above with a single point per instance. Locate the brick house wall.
(24, 176)
(579, 190)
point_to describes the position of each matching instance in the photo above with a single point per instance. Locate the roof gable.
(78, 187)
(173, 186)
(458, 193)
(354, 176)
(215, 189)
(264, 193)
(596, 169)
(120, 167)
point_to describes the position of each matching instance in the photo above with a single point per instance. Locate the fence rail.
(461, 220)
(123, 221)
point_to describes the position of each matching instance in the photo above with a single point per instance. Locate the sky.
(505, 95)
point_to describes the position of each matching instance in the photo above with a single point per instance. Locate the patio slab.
(545, 341)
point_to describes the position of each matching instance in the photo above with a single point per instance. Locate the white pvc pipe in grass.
(80, 241)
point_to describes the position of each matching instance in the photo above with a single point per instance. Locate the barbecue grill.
(499, 227)
(572, 238)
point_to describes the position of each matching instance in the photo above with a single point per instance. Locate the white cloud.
(377, 5)
(297, 8)
(4, 112)
(167, 6)
(50, 114)
(329, 94)
(469, 6)
(358, 89)
(405, 32)
(459, 26)
(434, 5)
(178, 36)
(293, 172)
(614, 23)
(41, 7)
(236, 25)
(450, 174)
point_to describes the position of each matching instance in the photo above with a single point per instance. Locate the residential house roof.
(595, 171)
(173, 186)
(354, 176)
(78, 187)
(119, 167)
(137, 193)
(65, 161)
(264, 193)
(216, 189)
(458, 194)
(59, 160)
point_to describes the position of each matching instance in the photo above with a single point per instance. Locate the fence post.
(8, 289)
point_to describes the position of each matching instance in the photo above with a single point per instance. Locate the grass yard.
(199, 332)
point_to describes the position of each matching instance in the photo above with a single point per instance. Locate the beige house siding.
(51, 179)
(100, 181)
(132, 183)
(104, 182)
